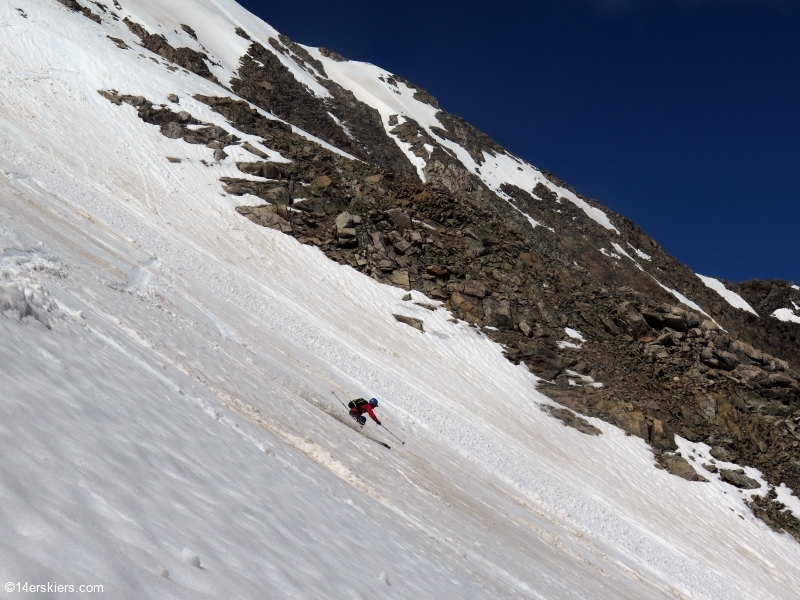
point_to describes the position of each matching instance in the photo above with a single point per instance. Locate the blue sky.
(682, 115)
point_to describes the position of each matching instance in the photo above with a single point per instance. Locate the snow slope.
(180, 404)
(731, 297)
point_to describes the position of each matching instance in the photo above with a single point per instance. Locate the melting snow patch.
(732, 298)
(794, 287)
(638, 252)
(565, 344)
(621, 250)
(786, 315)
(575, 334)
(585, 379)
(605, 252)
(787, 497)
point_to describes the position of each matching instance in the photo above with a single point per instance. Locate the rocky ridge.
(595, 320)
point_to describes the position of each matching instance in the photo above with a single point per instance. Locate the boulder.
(474, 289)
(654, 318)
(609, 406)
(410, 321)
(746, 349)
(628, 314)
(708, 406)
(526, 329)
(400, 220)
(633, 423)
(400, 278)
(401, 246)
(727, 360)
(781, 380)
(739, 479)
(721, 453)
(570, 419)
(661, 436)
(320, 183)
(497, 313)
(708, 325)
(436, 270)
(676, 322)
(466, 307)
(343, 221)
(679, 466)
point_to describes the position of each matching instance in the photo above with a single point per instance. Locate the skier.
(359, 406)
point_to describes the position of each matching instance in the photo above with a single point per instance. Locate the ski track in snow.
(185, 385)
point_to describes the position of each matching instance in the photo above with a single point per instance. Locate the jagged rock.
(411, 321)
(676, 322)
(267, 216)
(343, 221)
(436, 270)
(708, 406)
(189, 59)
(525, 328)
(633, 423)
(400, 278)
(720, 453)
(781, 380)
(469, 237)
(570, 419)
(467, 307)
(400, 220)
(739, 479)
(636, 324)
(654, 318)
(173, 98)
(401, 246)
(73, 5)
(497, 313)
(679, 466)
(719, 359)
(267, 170)
(661, 436)
(708, 325)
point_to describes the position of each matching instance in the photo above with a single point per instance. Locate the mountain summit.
(207, 230)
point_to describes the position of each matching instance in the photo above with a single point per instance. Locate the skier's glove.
(377, 422)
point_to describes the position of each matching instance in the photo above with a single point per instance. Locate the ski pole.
(339, 399)
(394, 436)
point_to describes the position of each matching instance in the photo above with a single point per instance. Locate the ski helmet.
(373, 403)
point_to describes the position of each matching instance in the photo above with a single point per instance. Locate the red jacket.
(365, 408)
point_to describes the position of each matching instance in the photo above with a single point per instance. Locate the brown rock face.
(739, 479)
(633, 423)
(634, 321)
(410, 321)
(679, 466)
(661, 436)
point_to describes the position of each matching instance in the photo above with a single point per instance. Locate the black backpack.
(354, 404)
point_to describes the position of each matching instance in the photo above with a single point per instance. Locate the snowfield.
(168, 425)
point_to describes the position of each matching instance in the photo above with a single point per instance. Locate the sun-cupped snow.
(173, 433)
(731, 297)
(371, 85)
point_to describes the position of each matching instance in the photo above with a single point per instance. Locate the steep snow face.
(215, 23)
(180, 404)
(732, 298)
